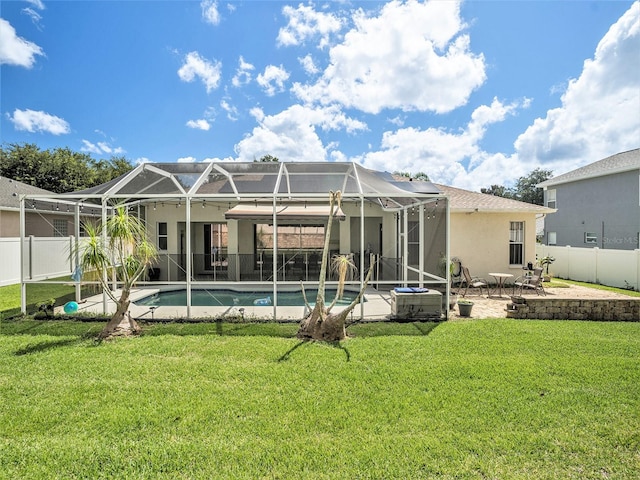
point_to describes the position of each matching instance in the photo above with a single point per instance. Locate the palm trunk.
(121, 323)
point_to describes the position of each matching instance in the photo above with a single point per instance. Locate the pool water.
(228, 298)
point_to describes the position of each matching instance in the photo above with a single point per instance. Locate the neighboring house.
(45, 220)
(598, 205)
(491, 234)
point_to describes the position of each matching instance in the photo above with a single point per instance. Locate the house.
(597, 205)
(42, 221)
(491, 234)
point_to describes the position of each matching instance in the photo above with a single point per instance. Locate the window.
(551, 198)
(590, 237)
(162, 236)
(516, 243)
(216, 242)
(60, 228)
(551, 238)
(290, 237)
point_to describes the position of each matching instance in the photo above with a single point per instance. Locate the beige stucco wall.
(9, 224)
(481, 241)
(38, 224)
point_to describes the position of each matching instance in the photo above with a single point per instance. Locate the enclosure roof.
(257, 179)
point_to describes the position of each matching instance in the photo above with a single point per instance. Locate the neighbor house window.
(551, 238)
(590, 237)
(60, 228)
(516, 243)
(162, 235)
(551, 198)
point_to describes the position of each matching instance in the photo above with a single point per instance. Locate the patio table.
(500, 278)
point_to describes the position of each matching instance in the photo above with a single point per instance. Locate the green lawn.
(465, 399)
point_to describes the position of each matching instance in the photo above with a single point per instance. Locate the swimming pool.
(238, 298)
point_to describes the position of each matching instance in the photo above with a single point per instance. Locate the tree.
(321, 324)
(497, 190)
(525, 189)
(268, 158)
(126, 253)
(418, 176)
(60, 170)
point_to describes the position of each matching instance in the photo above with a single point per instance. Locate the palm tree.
(126, 254)
(321, 324)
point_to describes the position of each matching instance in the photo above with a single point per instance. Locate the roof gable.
(618, 163)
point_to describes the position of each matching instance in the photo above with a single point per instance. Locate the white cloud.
(308, 65)
(196, 66)
(305, 23)
(141, 160)
(412, 56)
(210, 12)
(291, 134)
(36, 3)
(100, 148)
(39, 121)
(232, 112)
(272, 80)
(31, 13)
(187, 160)
(599, 115)
(200, 124)
(441, 153)
(243, 73)
(15, 50)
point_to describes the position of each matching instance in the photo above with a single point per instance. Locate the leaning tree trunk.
(321, 324)
(121, 323)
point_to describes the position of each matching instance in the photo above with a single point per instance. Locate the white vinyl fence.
(44, 257)
(615, 268)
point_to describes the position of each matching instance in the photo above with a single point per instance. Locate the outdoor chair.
(474, 282)
(530, 282)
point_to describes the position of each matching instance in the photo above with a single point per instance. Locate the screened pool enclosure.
(262, 225)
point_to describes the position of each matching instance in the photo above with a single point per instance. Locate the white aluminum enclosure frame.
(359, 185)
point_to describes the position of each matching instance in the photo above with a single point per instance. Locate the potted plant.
(544, 263)
(464, 307)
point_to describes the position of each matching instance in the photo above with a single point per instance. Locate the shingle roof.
(467, 201)
(620, 162)
(10, 191)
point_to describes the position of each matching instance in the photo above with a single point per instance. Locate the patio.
(495, 307)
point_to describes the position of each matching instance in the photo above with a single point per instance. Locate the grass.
(467, 399)
(36, 292)
(631, 293)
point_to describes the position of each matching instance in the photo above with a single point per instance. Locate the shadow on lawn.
(50, 345)
(287, 355)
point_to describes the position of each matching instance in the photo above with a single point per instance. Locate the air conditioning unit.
(416, 304)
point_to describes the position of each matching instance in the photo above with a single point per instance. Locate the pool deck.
(376, 308)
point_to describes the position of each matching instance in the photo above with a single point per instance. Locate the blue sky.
(472, 93)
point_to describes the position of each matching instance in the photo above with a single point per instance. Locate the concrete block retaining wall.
(583, 309)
